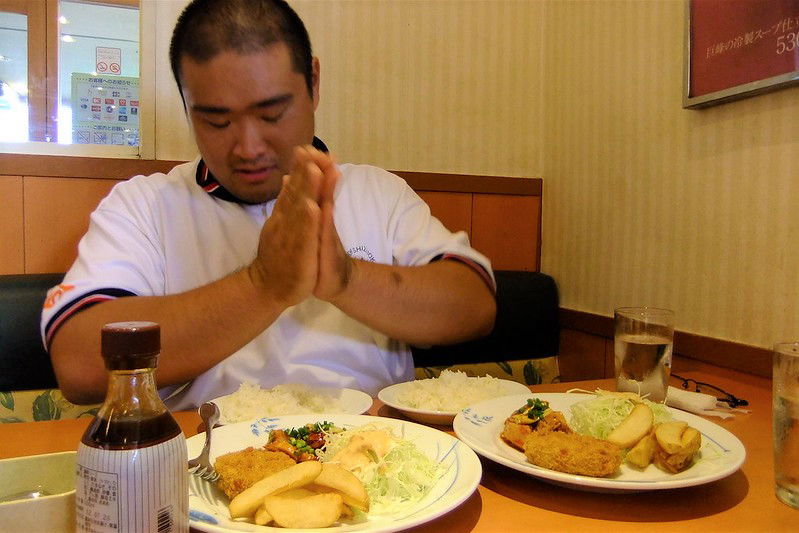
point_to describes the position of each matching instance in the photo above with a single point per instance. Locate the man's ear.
(315, 81)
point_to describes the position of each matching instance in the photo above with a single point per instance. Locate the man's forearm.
(199, 328)
(439, 303)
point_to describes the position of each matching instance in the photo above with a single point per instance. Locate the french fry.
(248, 501)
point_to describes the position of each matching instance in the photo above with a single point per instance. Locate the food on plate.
(572, 453)
(547, 441)
(319, 510)
(669, 436)
(396, 474)
(640, 455)
(298, 475)
(327, 474)
(533, 414)
(601, 413)
(643, 428)
(251, 401)
(300, 443)
(633, 428)
(677, 444)
(340, 480)
(450, 391)
(241, 469)
(305, 495)
(605, 430)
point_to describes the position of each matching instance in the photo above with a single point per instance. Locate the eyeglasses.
(727, 398)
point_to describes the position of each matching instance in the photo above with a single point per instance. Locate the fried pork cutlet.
(240, 470)
(572, 453)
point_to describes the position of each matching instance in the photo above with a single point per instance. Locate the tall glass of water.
(785, 405)
(643, 341)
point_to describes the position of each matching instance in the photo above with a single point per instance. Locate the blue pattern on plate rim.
(263, 425)
(200, 516)
(476, 418)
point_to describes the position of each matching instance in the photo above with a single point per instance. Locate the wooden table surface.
(509, 501)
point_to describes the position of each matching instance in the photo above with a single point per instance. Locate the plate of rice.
(438, 400)
(251, 401)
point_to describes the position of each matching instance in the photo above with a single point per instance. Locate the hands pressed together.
(299, 252)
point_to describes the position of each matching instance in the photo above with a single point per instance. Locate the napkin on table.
(697, 402)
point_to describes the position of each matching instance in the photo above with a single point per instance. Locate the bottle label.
(144, 489)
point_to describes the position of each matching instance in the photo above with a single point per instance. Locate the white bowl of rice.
(438, 400)
(251, 401)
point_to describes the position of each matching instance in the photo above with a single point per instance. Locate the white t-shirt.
(164, 234)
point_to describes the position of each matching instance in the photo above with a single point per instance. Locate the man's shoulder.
(176, 179)
(179, 173)
(358, 175)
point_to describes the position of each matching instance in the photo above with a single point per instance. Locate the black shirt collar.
(208, 182)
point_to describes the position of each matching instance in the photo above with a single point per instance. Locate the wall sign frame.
(738, 48)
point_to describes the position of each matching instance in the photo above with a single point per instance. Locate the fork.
(201, 466)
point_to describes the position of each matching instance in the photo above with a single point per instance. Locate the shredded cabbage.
(400, 478)
(600, 415)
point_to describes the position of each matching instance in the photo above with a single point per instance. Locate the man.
(263, 260)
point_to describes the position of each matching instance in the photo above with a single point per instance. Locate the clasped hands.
(299, 251)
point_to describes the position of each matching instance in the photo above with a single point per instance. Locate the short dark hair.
(209, 27)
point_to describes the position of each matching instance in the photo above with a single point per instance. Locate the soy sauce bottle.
(131, 465)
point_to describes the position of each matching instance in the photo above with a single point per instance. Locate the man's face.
(248, 112)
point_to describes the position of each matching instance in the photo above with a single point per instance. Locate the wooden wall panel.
(581, 356)
(507, 229)
(453, 209)
(12, 255)
(56, 217)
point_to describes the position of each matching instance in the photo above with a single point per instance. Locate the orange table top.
(509, 501)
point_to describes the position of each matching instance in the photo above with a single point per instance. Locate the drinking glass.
(643, 340)
(785, 404)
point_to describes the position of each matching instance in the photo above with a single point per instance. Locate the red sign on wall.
(739, 48)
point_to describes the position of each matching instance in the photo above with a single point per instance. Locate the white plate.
(351, 402)
(208, 506)
(480, 425)
(389, 397)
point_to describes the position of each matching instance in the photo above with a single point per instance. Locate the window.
(69, 72)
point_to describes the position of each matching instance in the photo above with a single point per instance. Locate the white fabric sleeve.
(420, 238)
(117, 257)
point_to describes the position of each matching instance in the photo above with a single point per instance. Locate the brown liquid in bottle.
(131, 434)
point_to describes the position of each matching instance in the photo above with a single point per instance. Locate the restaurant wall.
(648, 203)
(644, 202)
(439, 86)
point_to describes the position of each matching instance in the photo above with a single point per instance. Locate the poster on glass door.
(105, 110)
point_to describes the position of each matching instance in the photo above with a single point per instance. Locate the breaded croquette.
(572, 453)
(240, 470)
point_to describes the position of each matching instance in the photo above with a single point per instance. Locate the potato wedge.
(341, 480)
(640, 456)
(672, 463)
(346, 511)
(691, 440)
(247, 502)
(298, 493)
(669, 436)
(319, 510)
(262, 516)
(633, 428)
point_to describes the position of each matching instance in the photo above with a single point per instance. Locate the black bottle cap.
(131, 345)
